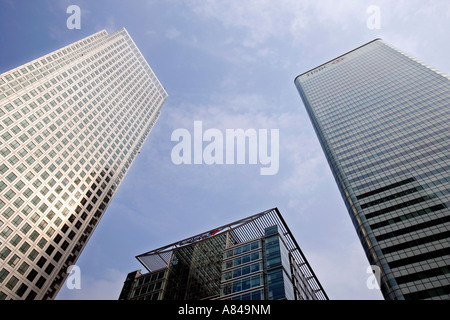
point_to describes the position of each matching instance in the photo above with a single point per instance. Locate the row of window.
(241, 260)
(427, 149)
(402, 193)
(377, 91)
(150, 278)
(242, 271)
(419, 257)
(416, 162)
(432, 131)
(429, 293)
(243, 249)
(417, 242)
(39, 69)
(241, 285)
(416, 227)
(385, 188)
(369, 107)
(406, 172)
(387, 71)
(407, 203)
(410, 215)
(385, 129)
(354, 108)
(147, 289)
(372, 138)
(252, 295)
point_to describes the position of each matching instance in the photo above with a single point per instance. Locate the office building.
(256, 258)
(71, 124)
(383, 120)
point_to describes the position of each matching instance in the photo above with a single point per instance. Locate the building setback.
(256, 258)
(71, 124)
(383, 120)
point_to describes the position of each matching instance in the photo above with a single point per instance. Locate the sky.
(231, 65)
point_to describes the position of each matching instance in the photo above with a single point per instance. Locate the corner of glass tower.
(382, 118)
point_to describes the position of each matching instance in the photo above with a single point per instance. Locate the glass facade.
(256, 269)
(222, 267)
(383, 120)
(243, 271)
(193, 271)
(71, 124)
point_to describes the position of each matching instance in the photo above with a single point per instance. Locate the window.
(15, 240)
(4, 253)
(11, 177)
(25, 228)
(3, 168)
(14, 260)
(275, 284)
(12, 282)
(22, 289)
(40, 282)
(16, 221)
(241, 285)
(32, 256)
(8, 213)
(23, 268)
(24, 247)
(41, 262)
(27, 193)
(34, 235)
(19, 185)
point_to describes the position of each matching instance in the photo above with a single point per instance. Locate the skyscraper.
(256, 258)
(71, 124)
(383, 120)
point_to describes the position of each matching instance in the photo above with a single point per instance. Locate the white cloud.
(264, 19)
(110, 25)
(172, 33)
(302, 163)
(343, 271)
(313, 23)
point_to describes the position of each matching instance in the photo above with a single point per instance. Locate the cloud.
(316, 23)
(111, 24)
(262, 20)
(302, 164)
(172, 33)
(343, 272)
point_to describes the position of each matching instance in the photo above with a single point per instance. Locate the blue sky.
(230, 64)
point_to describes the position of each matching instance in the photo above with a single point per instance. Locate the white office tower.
(71, 124)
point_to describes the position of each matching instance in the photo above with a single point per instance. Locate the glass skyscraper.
(71, 124)
(255, 258)
(383, 120)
